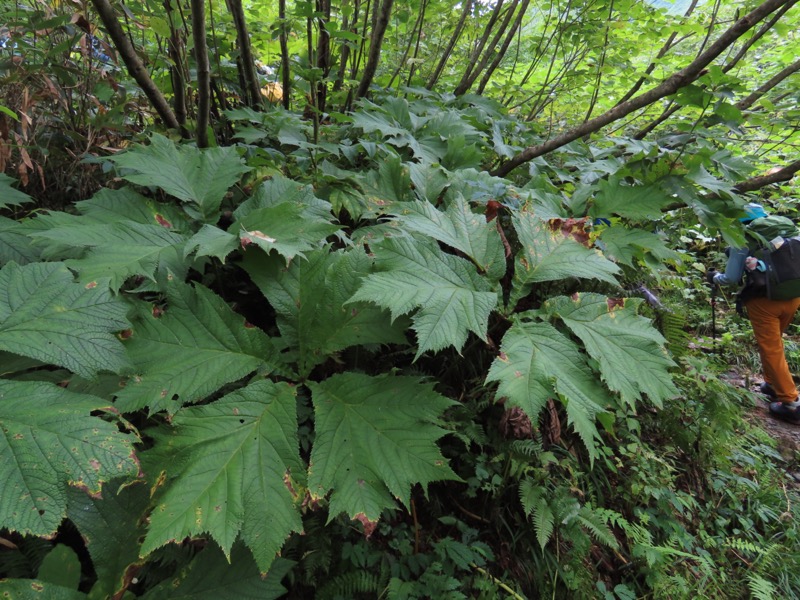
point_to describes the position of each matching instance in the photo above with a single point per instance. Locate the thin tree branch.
(502, 52)
(247, 64)
(747, 102)
(450, 45)
(756, 183)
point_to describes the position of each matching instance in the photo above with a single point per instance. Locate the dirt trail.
(787, 434)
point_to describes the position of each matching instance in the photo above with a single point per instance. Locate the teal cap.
(753, 211)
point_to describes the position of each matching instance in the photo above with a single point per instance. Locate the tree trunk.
(247, 63)
(476, 52)
(135, 67)
(323, 52)
(381, 23)
(501, 54)
(175, 48)
(434, 78)
(344, 54)
(284, 41)
(203, 72)
(669, 86)
(476, 69)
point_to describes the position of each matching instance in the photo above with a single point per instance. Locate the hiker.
(769, 316)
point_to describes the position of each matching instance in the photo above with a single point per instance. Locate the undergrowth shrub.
(235, 376)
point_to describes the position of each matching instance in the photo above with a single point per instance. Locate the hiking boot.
(786, 411)
(766, 389)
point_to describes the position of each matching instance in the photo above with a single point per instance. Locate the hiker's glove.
(710, 277)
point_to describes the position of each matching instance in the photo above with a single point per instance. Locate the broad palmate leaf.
(375, 438)
(536, 362)
(10, 196)
(28, 589)
(284, 216)
(123, 249)
(15, 245)
(211, 576)
(198, 176)
(227, 467)
(309, 297)
(628, 348)
(48, 440)
(111, 527)
(451, 297)
(189, 350)
(459, 228)
(549, 254)
(45, 315)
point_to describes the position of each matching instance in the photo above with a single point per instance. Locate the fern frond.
(349, 585)
(673, 327)
(526, 449)
(595, 522)
(761, 588)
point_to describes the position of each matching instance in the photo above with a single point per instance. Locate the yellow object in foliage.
(272, 91)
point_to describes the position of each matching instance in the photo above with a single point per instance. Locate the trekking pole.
(713, 318)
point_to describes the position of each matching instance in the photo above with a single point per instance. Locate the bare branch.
(756, 183)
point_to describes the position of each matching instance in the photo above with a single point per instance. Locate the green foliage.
(50, 441)
(454, 364)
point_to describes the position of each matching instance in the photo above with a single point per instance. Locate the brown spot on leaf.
(36, 587)
(157, 312)
(518, 373)
(95, 464)
(249, 325)
(503, 356)
(369, 526)
(91, 285)
(162, 221)
(126, 334)
(574, 228)
(615, 303)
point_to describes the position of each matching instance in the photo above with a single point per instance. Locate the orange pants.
(770, 318)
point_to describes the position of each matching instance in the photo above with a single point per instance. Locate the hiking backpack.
(778, 246)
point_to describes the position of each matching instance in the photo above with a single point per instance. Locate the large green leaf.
(48, 440)
(451, 297)
(10, 196)
(15, 245)
(550, 254)
(121, 250)
(190, 351)
(638, 202)
(200, 177)
(212, 241)
(309, 298)
(280, 190)
(625, 245)
(375, 438)
(285, 228)
(33, 589)
(112, 528)
(459, 228)
(536, 362)
(284, 216)
(629, 349)
(45, 315)
(210, 576)
(227, 466)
